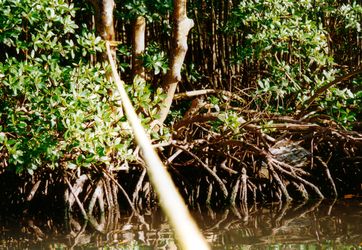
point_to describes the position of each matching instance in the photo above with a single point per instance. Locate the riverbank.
(268, 159)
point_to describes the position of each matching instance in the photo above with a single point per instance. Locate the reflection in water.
(288, 227)
(312, 225)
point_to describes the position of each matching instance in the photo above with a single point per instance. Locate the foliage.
(152, 10)
(286, 36)
(155, 60)
(56, 110)
(290, 40)
(148, 102)
(123, 51)
(59, 110)
(192, 74)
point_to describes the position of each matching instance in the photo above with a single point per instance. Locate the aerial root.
(98, 195)
(328, 175)
(275, 162)
(266, 158)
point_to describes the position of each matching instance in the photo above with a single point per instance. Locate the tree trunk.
(139, 28)
(104, 22)
(182, 26)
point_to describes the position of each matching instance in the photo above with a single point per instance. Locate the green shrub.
(56, 110)
(289, 44)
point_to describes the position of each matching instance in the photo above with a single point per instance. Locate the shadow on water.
(310, 225)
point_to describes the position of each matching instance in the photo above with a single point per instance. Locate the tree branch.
(327, 86)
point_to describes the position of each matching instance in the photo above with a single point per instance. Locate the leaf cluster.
(57, 109)
(289, 42)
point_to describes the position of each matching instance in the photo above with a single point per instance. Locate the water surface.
(311, 225)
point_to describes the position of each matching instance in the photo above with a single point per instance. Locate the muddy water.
(312, 225)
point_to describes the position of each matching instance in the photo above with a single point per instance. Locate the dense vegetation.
(261, 80)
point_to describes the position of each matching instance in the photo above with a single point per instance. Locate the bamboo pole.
(186, 231)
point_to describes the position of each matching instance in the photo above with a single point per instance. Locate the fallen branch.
(292, 127)
(207, 92)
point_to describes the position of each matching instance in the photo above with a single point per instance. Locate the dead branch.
(194, 93)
